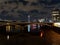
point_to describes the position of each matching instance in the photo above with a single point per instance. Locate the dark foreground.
(51, 37)
(22, 39)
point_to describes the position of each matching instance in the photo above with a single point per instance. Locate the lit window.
(55, 14)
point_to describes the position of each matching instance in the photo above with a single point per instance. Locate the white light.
(28, 28)
(50, 21)
(41, 20)
(7, 37)
(55, 14)
(57, 24)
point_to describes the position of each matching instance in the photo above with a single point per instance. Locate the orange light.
(41, 35)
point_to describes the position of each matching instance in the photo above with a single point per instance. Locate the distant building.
(41, 20)
(56, 15)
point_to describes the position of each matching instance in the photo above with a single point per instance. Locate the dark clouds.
(49, 2)
(20, 9)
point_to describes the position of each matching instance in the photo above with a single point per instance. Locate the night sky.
(20, 9)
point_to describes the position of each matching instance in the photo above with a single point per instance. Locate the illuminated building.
(56, 15)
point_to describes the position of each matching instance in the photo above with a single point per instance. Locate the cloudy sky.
(20, 9)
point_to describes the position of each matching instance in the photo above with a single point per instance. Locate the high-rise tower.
(56, 15)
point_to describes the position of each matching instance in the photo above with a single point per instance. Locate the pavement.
(52, 37)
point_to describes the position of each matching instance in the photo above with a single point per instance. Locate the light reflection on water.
(7, 37)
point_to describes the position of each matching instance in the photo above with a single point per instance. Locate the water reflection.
(26, 34)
